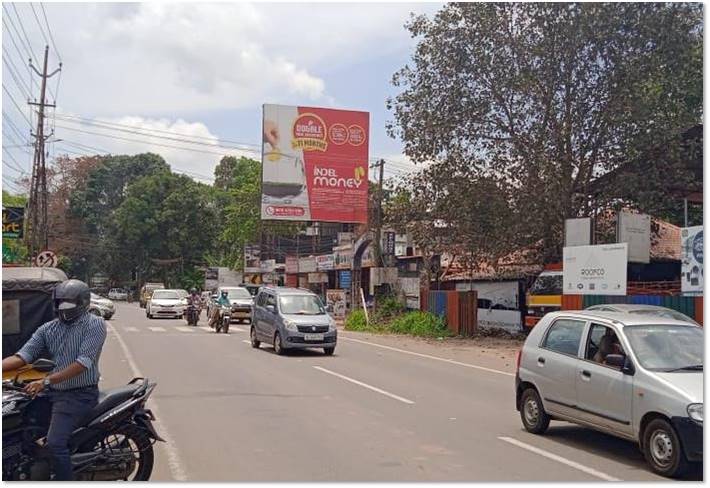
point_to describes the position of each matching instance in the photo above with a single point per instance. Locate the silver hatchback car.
(292, 318)
(632, 376)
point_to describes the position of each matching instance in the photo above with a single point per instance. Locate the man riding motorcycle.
(194, 304)
(222, 301)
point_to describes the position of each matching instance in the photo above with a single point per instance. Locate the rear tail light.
(517, 360)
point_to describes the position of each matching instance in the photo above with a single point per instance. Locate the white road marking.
(185, 328)
(560, 459)
(246, 342)
(157, 329)
(174, 463)
(365, 385)
(236, 328)
(131, 329)
(436, 358)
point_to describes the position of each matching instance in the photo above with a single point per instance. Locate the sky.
(200, 70)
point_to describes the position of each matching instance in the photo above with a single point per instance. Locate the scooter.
(192, 315)
(225, 317)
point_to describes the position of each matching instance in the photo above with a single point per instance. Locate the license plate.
(313, 337)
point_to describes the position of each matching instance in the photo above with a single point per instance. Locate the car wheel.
(662, 449)
(278, 347)
(532, 413)
(255, 343)
(328, 351)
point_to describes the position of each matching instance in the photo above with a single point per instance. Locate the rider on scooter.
(222, 301)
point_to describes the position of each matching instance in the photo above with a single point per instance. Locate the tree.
(164, 217)
(546, 97)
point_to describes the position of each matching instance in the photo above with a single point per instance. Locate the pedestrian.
(74, 341)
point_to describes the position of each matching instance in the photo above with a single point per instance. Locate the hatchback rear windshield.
(165, 294)
(667, 347)
(301, 305)
(238, 293)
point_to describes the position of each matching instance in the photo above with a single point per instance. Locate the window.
(601, 342)
(270, 300)
(301, 305)
(233, 293)
(667, 347)
(261, 300)
(564, 336)
(165, 295)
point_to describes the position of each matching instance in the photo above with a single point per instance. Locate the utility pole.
(377, 245)
(39, 224)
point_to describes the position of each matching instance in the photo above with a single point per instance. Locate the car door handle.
(586, 374)
(540, 361)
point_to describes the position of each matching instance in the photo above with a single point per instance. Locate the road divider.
(428, 356)
(365, 385)
(559, 459)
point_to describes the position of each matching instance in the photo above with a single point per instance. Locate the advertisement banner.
(344, 257)
(336, 300)
(345, 279)
(635, 230)
(388, 247)
(578, 232)
(315, 164)
(692, 273)
(291, 264)
(12, 222)
(595, 270)
(307, 264)
(325, 262)
(267, 265)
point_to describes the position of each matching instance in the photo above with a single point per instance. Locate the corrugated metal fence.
(690, 306)
(459, 309)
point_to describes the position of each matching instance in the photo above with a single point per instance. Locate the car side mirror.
(43, 365)
(615, 360)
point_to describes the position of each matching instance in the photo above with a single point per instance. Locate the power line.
(12, 125)
(41, 29)
(12, 158)
(19, 20)
(49, 29)
(17, 31)
(13, 70)
(16, 105)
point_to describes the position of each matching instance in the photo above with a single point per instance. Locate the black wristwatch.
(46, 382)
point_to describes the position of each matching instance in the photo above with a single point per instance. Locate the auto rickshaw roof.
(31, 278)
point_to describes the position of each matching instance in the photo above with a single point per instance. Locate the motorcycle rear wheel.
(137, 440)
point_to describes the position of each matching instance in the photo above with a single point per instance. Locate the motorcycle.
(225, 317)
(113, 442)
(192, 315)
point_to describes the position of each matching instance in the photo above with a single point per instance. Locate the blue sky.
(204, 70)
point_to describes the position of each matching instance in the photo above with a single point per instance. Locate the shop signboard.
(13, 222)
(315, 164)
(307, 264)
(291, 264)
(318, 277)
(692, 273)
(344, 257)
(578, 232)
(252, 258)
(595, 270)
(267, 266)
(635, 230)
(345, 279)
(325, 262)
(388, 248)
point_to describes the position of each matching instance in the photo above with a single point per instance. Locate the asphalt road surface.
(368, 413)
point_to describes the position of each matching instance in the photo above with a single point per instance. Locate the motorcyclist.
(222, 301)
(194, 300)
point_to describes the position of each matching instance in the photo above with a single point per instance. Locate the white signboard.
(595, 270)
(325, 262)
(307, 265)
(635, 230)
(578, 232)
(691, 280)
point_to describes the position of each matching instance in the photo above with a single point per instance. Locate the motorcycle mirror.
(43, 365)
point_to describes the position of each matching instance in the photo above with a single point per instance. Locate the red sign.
(321, 172)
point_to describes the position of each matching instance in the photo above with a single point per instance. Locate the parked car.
(292, 318)
(165, 303)
(117, 294)
(241, 300)
(642, 309)
(147, 291)
(634, 376)
(103, 307)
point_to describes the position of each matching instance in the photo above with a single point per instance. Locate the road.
(368, 413)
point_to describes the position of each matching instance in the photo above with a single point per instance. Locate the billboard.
(578, 232)
(337, 301)
(325, 262)
(635, 230)
(595, 270)
(252, 258)
(691, 279)
(12, 222)
(314, 164)
(291, 264)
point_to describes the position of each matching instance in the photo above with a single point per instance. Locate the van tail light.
(517, 361)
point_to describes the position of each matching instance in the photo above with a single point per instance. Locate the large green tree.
(546, 97)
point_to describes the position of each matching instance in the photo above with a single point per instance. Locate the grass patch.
(394, 319)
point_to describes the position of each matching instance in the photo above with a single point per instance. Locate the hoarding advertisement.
(635, 229)
(595, 270)
(315, 164)
(12, 222)
(692, 273)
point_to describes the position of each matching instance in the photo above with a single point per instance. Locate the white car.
(117, 294)
(642, 309)
(103, 307)
(634, 376)
(165, 303)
